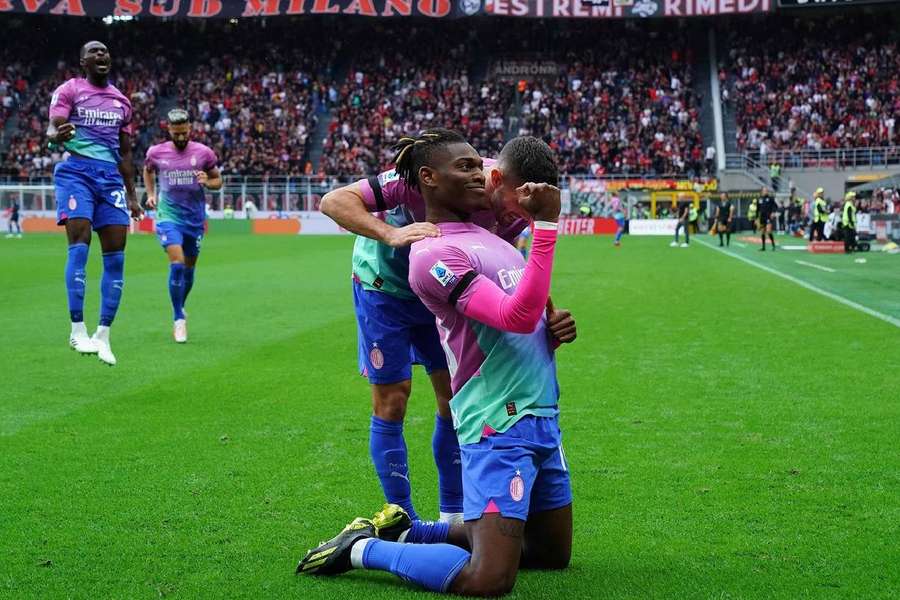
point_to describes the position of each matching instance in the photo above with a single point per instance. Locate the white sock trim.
(402, 538)
(548, 225)
(451, 517)
(357, 552)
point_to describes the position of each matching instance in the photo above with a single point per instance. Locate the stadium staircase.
(317, 145)
(44, 71)
(701, 87)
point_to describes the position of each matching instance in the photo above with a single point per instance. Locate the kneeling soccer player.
(185, 168)
(490, 308)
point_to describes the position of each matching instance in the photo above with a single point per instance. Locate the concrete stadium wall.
(807, 180)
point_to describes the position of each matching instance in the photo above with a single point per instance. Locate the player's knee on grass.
(389, 400)
(484, 579)
(546, 557)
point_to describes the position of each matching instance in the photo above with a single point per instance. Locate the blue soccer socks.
(388, 450)
(111, 286)
(188, 283)
(177, 289)
(449, 465)
(432, 566)
(76, 277)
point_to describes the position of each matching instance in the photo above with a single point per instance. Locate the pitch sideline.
(840, 299)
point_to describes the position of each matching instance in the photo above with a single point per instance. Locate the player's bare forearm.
(345, 207)
(126, 169)
(214, 183)
(150, 182)
(126, 164)
(60, 130)
(211, 180)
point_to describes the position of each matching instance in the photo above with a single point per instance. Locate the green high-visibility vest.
(821, 210)
(751, 211)
(849, 218)
(585, 210)
(692, 214)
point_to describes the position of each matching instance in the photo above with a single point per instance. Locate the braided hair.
(413, 153)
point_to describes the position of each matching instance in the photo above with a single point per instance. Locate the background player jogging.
(185, 169)
(90, 118)
(395, 329)
(490, 306)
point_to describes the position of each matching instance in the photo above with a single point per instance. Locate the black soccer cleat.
(333, 557)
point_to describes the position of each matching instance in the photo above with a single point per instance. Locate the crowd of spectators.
(813, 84)
(144, 70)
(256, 99)
(414, 78)
(625, 104)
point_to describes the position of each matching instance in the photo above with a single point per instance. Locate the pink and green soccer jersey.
(98, 114)
(181, 199)
(380, 267)
(497, 376)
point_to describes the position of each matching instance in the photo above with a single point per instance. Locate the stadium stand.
(827, 83)
(286, 97)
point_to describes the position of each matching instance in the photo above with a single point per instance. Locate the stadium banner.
(207, 9)
(516, 70)
(821, 3)
(620, 9)
(586, 226)
(579, 184)
(652, 226)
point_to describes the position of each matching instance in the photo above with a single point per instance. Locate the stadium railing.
(269, 194)
(832, 158)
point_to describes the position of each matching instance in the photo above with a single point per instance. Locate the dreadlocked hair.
(413, 153)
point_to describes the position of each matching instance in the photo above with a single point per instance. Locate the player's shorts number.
(118, 198)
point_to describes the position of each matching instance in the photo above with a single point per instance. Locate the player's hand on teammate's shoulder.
(561, 324)
(400, 237)
(64, 133)
(540, 200)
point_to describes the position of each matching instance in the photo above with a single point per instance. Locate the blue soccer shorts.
(91, 189)
(173, 234)
(516, 473)
(395, 334)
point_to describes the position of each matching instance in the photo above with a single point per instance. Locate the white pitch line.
(814, 266)
(840, 299)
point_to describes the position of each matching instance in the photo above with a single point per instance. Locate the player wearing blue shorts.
(185, 170)
(91, 120)
(489, 304)
(395, 329)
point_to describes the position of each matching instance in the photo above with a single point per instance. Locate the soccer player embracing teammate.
(395, 329)
(489, 304)
(91, 120)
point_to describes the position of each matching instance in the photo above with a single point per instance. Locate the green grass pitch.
(731, 434)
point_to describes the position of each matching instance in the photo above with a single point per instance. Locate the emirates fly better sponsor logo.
(95, 116)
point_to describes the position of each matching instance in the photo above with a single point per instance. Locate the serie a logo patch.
(442, 273)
